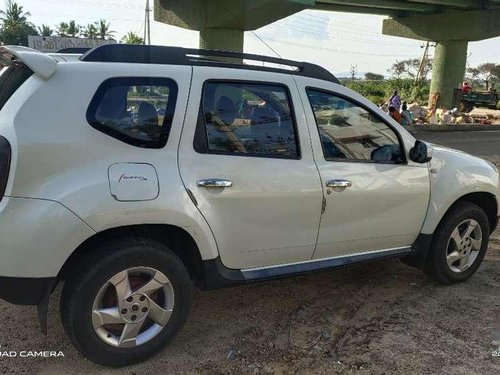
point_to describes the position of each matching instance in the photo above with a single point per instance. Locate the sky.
(331, 39)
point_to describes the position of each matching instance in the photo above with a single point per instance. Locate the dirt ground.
(378, 318)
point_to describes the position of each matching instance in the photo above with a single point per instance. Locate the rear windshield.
(11, 79)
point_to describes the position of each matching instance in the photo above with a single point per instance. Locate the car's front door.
(246, 158)
(375, 199)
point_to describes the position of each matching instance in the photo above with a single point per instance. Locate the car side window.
(138, 111)
(348, 131)
(247, 119)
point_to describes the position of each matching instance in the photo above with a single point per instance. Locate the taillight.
(5, 153)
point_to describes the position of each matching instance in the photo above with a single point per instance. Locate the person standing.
(406, 116)
(395, 100)
(394, 113)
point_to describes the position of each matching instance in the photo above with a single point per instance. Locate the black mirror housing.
(421, 152)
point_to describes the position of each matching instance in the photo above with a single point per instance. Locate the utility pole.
(147, 24)
(423, 63)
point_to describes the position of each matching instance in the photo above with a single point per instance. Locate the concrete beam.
(461, 4)
(229, 14)
(361, 10)
(383, 4)
(466, 25)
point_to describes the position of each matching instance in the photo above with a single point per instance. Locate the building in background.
(57, 43)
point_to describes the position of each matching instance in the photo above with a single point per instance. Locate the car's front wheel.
(126, 302)
(459, 244)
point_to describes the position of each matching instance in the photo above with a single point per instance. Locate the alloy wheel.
(464, 245)
(133, 307)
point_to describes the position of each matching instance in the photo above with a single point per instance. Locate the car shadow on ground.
(380, 317)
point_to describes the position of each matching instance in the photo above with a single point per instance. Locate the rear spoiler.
(41, 64)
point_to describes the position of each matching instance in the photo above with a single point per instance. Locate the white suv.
(132, 173)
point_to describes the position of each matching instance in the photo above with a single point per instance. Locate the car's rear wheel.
(459, 244)
(126, 302)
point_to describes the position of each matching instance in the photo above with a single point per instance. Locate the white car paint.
(259, 221)
(58, 192)
(369, 214)
(42, 64)
(453, 175)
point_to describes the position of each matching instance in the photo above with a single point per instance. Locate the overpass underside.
(449, 23)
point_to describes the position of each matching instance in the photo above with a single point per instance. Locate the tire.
(447, 263)
(95, 287)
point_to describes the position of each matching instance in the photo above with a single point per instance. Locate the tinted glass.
(348, 131)
(138, 111)
(11, 79)
(248, 119)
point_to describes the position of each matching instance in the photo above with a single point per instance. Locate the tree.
(487, 73)
(45, 30)
(409, 68)
(132, 38)
(15, 27)
(68, 29)
(103, 28)
(90, 31)
(62, 29)
(353, 71)
(373, 77)
(73, 29)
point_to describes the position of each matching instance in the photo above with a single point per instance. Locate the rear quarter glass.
(11, 79)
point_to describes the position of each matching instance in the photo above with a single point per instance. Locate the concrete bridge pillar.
(452, 32)
(448, 70)
(222, 23)
(222, 38)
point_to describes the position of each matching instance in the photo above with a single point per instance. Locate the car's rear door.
(245, 157)
(376, 199)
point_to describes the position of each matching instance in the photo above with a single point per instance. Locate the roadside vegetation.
(15, 27)
(414, 87)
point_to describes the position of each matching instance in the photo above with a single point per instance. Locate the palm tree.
(45, 30)
(103, 29)
(70, 29)
(73, 29)
(132, 38)
(15, 27)
(13, 13)
(90, 31)
(62, 29)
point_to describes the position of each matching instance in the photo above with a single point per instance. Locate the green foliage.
(90, 31)
(380, 91)
(45, 30)
(15, 26)
(411, 68)
(374, 76)
(484, 75)
(104, 29)
(132, 38)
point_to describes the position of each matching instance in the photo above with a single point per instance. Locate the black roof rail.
(144, 54)
(79, 50)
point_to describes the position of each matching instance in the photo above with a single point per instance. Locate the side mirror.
(421, 152)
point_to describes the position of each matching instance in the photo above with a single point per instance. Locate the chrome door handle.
(338, 183)
(214, 183)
